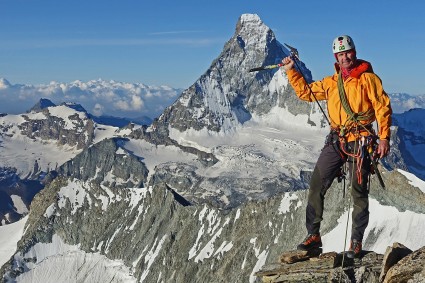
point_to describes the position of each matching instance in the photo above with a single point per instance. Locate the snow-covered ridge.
(64, 113)
(77, 193)
(27, 139)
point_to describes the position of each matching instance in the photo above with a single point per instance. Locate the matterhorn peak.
(253, 31)
(249, 19)
(227, 95)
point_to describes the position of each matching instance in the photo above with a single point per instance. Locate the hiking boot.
(355, 249)
(312, 241)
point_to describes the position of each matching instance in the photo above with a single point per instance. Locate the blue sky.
(174, 42)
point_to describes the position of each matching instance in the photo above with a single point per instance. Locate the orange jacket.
(363, 89)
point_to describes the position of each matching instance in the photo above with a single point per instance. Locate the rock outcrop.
(399, 264)
(108, 164)
(73, 130)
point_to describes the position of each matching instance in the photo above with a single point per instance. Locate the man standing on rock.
(355, 99)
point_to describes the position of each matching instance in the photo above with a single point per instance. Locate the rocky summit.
(398, 264)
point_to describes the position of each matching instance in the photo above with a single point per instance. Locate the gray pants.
(327, 168)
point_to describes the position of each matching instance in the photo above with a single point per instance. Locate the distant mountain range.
(402, 102)
(105, 120)
(99, 97)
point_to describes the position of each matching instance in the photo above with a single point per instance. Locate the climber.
(355, 99)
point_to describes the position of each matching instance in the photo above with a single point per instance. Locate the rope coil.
(356, 118)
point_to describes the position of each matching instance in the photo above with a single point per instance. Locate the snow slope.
(266, 146)
(59, 262)
(386, 226)
(9, 237)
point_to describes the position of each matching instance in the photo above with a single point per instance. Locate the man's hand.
(383, 148)
(288, 63)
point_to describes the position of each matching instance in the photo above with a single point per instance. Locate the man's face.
(346, 59)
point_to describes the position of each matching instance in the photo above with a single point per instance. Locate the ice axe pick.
(293, 54)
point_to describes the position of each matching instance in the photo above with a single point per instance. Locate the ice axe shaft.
(293, 54)
(266, 67)
(378, 174)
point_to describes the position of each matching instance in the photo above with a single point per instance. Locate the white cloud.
(402, 102)
(98, 109)
(122, 105)
(101, 97)
(137, 102)
(121, 99)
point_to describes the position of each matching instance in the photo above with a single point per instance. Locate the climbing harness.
(368, 144)
(360, 152)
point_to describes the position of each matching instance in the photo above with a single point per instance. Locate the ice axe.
(293, 54)
(374, 160)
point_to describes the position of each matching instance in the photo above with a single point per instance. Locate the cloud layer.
(402, 102)
(98, 97)
(127, 100)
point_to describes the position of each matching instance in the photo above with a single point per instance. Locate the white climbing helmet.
(343, 43)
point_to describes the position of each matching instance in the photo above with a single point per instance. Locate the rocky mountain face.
(43, 103)
(407, 143)
(16, 195)
(142, 204)
(410, 133)
(107, 164)
(162, 238)
(227, 95)
(35, 144)
(75, 130)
